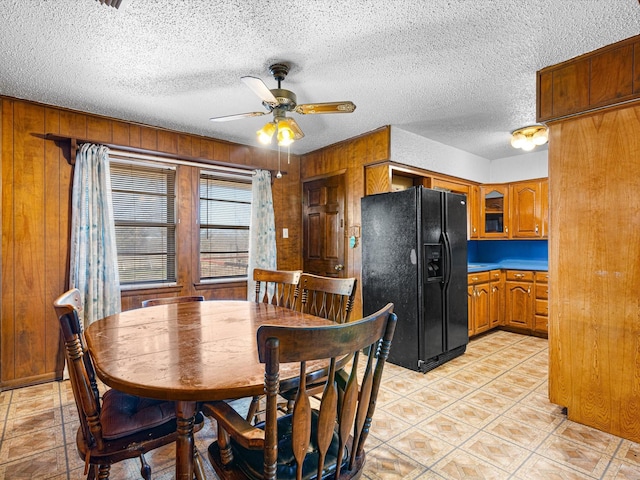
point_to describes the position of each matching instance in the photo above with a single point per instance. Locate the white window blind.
(225, 215)
(144, 213)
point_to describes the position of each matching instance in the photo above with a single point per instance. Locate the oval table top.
(191, 351)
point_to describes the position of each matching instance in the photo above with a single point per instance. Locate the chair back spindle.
(326, 297)
(277, 287)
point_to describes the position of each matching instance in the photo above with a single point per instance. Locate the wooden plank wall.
(350, 155)
(594, 269)
(36, 191)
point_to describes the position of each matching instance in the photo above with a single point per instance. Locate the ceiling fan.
(279, 101)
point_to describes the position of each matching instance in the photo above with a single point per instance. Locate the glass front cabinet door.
(494, 211)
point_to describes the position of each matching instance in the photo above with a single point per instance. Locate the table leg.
(185, 415)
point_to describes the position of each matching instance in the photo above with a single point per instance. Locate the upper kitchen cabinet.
(528, 209)
(494, 211)
(605, 77)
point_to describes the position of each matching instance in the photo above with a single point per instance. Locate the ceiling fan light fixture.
(265, 134)
(285, 133)
(527, 138)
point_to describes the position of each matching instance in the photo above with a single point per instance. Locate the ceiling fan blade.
(237, 116)
(297, 131)
(261, 90)
(328, 107)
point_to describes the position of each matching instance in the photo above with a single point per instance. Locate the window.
(225, 215)
(144, 212)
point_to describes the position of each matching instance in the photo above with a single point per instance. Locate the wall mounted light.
(528, 138)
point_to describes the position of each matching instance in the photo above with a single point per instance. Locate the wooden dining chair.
(324, 442)
(326, 297)
(116, 426)
(277, 287)
(169, 300)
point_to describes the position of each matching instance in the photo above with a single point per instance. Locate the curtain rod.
(195, 161)
(176, 161)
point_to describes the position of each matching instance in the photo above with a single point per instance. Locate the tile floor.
(484, 415)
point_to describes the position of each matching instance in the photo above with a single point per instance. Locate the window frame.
(235, 177)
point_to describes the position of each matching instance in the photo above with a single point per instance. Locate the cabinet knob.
(536, 228)
(519, 275)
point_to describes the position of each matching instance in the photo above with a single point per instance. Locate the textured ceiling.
(460, 72)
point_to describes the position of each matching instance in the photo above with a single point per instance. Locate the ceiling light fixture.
(527, 138)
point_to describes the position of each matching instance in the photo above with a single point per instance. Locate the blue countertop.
(509, 264)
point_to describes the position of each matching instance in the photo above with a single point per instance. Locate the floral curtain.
(262, 230)
(94, 258)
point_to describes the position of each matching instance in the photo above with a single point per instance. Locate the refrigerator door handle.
(447, 258)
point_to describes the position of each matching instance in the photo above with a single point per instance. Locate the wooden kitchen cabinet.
(527, 216)
(541, 318)
(494, 211)
(474, 211)
(519, 298)
(478, 297)
(496, 298)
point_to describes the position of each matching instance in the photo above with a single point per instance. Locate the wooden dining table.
(189, 353)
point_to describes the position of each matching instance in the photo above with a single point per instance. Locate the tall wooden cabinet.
(594, 246)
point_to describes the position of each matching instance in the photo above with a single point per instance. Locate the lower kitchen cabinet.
(514, 299)
(541, 319)
(496, 298)
(519, 299)
(478, 297)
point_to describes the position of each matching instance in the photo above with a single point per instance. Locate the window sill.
(136, 290)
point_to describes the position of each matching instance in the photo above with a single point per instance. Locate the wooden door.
(526, 210)
(323, 224)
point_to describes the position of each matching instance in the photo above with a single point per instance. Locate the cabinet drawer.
(542, 277)
(541, 324)
(542, 307)
(520, 275)
(542, 290)
(478, 277)
(495, 275)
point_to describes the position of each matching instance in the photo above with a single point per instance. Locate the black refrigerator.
(414, 254)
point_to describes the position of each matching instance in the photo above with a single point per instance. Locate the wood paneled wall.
(350, 155)
(594, 269)
(36, 190)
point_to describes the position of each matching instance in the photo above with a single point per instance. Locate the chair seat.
(123, 414)
(251, 462)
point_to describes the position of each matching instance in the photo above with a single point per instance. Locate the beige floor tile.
(517, 432)
(45, 464)
(432, 398)
(596, 439)
(460, 465)
(629, 452)
(469, 413)
(422, 447)
(470, 378)
(489, 401)
(540, 401)
(534, 418)
(451, 387)
(619, 470)
(496, 451)
(409, 410)
(506, 389)
(448, 429)
(575, 455)
(400, 385)
(385, 425)
(540, 468)
(16, 448)
(386, 463)
(17, 426)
